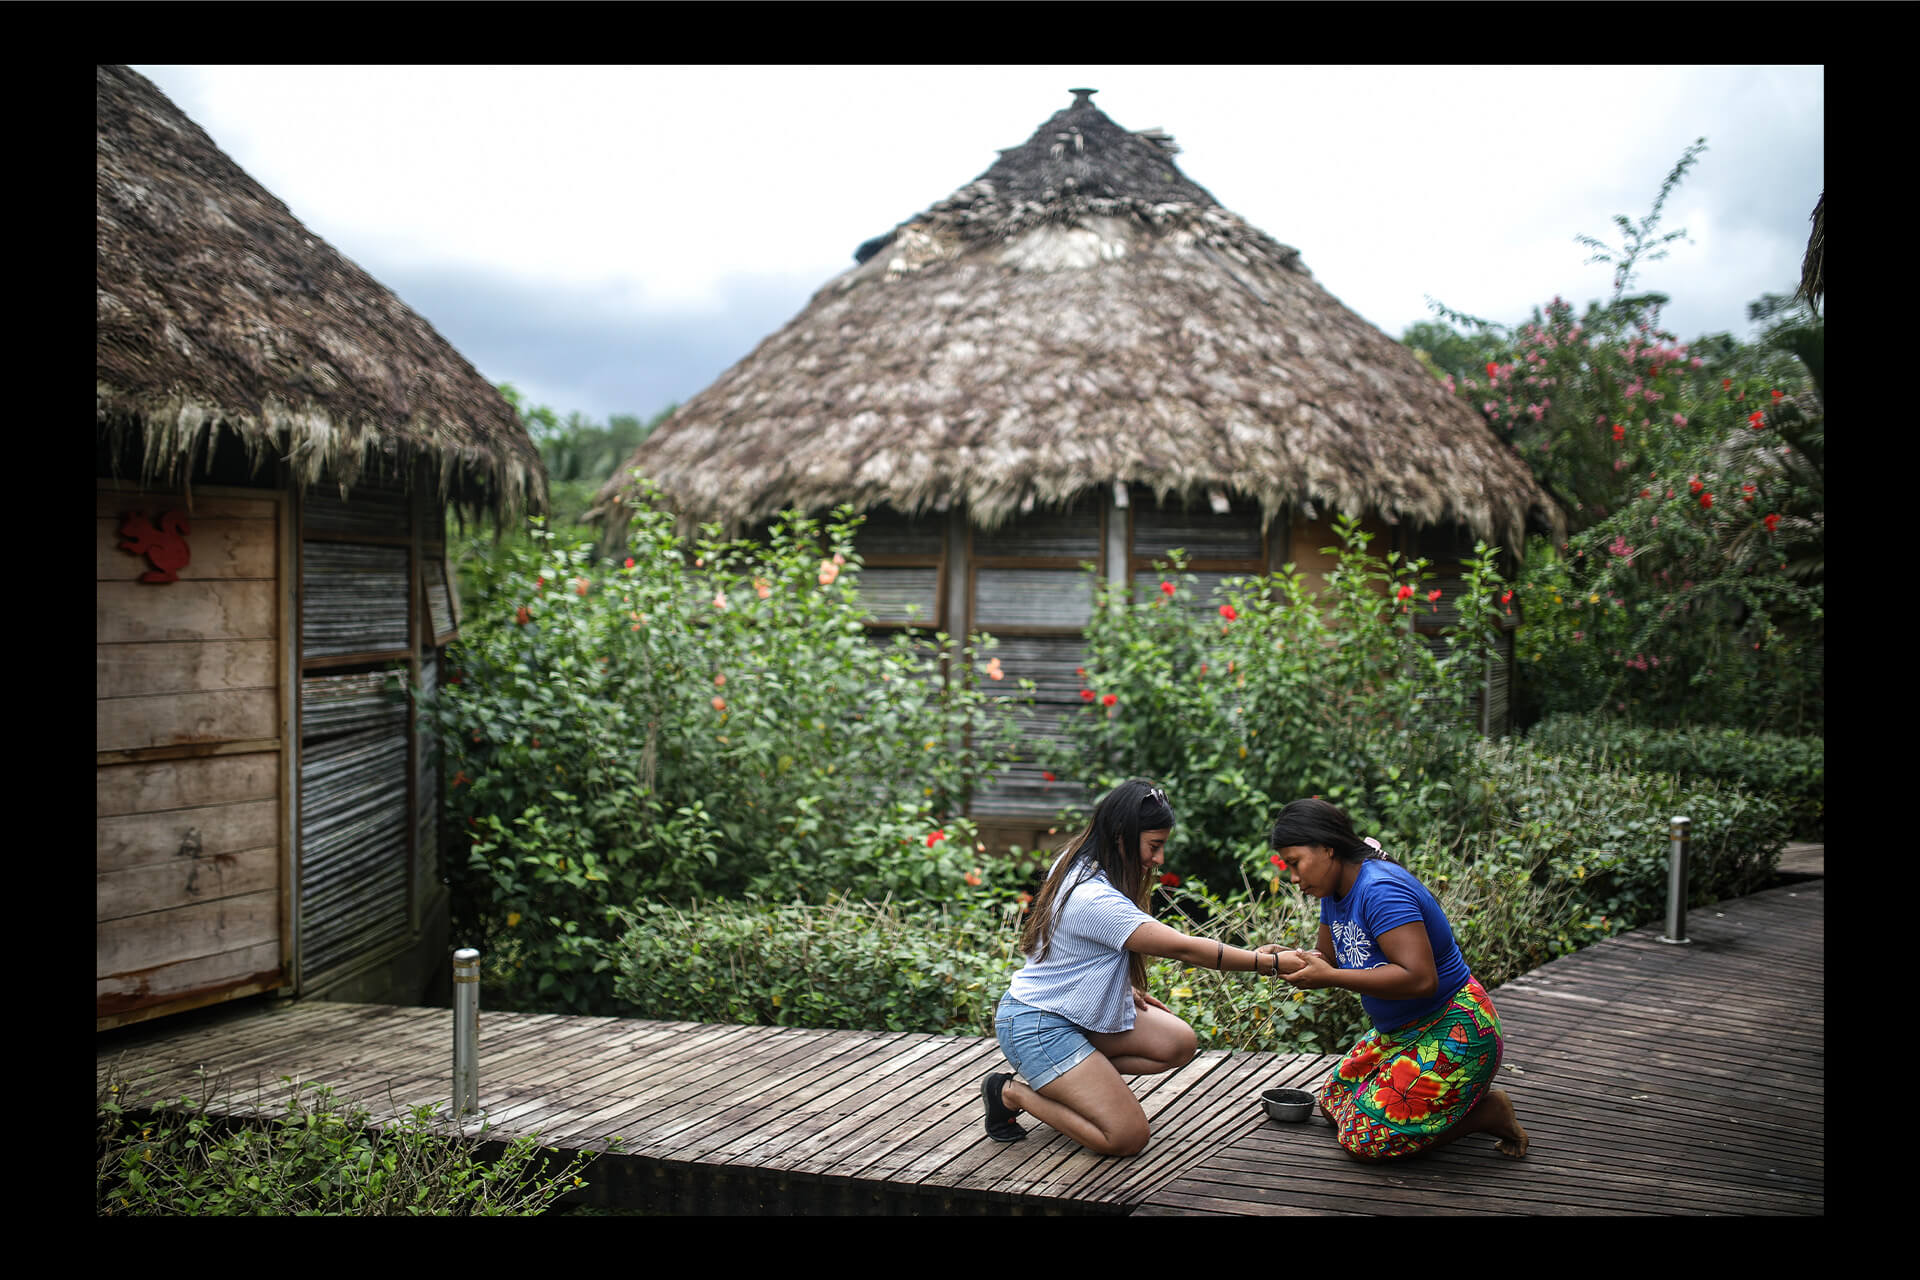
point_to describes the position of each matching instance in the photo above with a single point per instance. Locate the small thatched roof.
(1081, 313)
(218, 311)
(1813, 268)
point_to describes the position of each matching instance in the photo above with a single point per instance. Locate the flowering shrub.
(1279, 694)
(1693, 478)
(687, 720)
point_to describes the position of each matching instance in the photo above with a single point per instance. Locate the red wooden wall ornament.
(163, 543)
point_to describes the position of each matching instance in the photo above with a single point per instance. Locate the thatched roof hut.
(223, 321)
(279, 442)
(1077, 357)
(1080, 314)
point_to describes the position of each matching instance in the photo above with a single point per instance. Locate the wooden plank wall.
(189, 717)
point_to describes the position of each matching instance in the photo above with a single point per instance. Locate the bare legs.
(1091, 1103)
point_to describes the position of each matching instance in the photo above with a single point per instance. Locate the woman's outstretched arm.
(1152, 938)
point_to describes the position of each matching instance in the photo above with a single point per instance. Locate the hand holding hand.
(1313, 972)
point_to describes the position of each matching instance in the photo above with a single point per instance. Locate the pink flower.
(1679, 419)
(719, 704)
(993, 669)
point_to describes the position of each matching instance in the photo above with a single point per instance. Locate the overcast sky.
(611, 239)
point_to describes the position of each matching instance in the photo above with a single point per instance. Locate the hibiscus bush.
(1691, 590)
(691, 718)
(1271, 693)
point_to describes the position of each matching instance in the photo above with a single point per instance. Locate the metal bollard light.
(466, 1031)
(1677, 883)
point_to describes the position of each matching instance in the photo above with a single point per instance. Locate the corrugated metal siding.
(901, 595)
(353, 599)
(1050, 662)
(439, 597)
(1031, 598)
(378, 509)
(886, 532)
(1073, 531)
(1202, 534)
(426, 787)
(353, 819)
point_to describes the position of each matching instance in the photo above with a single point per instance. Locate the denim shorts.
(1041, 1046)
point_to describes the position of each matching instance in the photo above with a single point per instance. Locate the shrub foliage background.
(689, 785)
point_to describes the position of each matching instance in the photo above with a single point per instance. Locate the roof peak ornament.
(1083, 97)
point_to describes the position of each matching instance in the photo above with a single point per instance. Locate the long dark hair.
(1110, 843)
(1315, 821)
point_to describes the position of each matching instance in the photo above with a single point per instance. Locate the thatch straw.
(220, 315)
(1081, 313)
(1813, 268)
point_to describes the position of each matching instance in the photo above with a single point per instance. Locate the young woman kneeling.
(1077, 1017)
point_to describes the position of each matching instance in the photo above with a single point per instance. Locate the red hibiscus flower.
(521, 617)
(936, 837)
(1404, 593)
(1772, 522)
(1706, 500)
(1086, 695)
(1169, 879)
(1167, 587)
(1110, 699)
(1227, 612)
(1408, 1093)
(1277, 861)
(629, 562)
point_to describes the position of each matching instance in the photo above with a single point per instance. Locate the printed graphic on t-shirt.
(1352, 944)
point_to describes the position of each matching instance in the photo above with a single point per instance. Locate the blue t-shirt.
(1385, 896)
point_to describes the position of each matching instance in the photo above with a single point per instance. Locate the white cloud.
(657, 192)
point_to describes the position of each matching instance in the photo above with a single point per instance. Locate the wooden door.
(191, 727)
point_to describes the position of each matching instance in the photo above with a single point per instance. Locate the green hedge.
(1531, 855)
(1792, 770)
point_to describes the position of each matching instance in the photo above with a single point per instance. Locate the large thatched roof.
(218, 310)
(1078, 314)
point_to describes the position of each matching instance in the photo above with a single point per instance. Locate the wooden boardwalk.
(1653, 1079)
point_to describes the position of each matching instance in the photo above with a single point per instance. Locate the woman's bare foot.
(1509, 1138)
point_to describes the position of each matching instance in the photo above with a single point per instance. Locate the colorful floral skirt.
(1397, 1091)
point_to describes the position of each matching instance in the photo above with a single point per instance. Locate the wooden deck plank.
(1654, 1080)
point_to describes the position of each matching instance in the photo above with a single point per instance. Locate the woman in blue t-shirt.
(1424, 1075)
(1077, 1017)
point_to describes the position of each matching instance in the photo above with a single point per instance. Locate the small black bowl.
(1288, 1106)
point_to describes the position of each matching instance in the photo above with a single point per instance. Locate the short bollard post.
(1677, 883)
(466, 1032)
